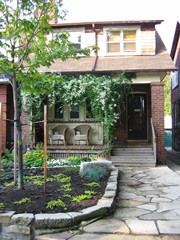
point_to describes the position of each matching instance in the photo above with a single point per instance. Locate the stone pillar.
(157, 113)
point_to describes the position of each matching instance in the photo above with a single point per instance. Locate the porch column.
(157, 110)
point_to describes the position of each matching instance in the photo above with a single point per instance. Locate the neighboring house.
(175, 85)
(6, 98)
(124, 46)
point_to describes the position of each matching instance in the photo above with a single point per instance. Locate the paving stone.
(160, 199)
(108, 225)
(129, 203)
(127, 195)
(163, 207)
(169, 227)
(126, 213)
(87, 236)
(150, 207)
(169, 215)
(142, 227)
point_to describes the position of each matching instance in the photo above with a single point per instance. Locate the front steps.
(133, 156)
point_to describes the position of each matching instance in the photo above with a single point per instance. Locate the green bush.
(8, 159)
(95, 174)
(74, 161)
(34, 158)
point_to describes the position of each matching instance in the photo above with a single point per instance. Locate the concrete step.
(126, 157)
(133, 149)
(131, 153)
(133, 157)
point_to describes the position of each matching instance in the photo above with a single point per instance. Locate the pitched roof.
(175, 40)
(141, 63)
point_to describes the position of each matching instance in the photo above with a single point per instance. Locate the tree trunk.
(18, 132)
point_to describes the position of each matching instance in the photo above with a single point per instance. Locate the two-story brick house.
(123, 46)
(175, 92)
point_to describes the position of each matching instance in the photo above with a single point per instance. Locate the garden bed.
(66, 191)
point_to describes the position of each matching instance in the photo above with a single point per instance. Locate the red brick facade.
(157, 109)
(7, 115)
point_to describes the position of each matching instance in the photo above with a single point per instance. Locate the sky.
(117, 10)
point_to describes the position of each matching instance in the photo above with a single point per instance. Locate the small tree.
(167, 95)
(25, 26)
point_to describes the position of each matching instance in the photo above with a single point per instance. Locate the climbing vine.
(105, 94)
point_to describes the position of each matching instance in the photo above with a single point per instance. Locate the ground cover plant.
(66, 191)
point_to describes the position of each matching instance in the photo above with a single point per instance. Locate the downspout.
(96, 43)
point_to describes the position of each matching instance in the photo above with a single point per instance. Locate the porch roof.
(160, 62)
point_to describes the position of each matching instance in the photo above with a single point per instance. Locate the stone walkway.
(148, 207)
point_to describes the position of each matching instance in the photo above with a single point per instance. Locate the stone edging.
(27, 225)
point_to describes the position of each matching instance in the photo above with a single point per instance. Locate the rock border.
(27, 225)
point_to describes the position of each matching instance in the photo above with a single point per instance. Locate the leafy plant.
(105, 94)
(73, 161)
(11, 184)
(37, 182)
(35, 177)
(23, 200)
(67, 195)
(67, 187)
(65, 179)
(34, 158)
(56, 203)
(2, 205)
(87, 195)
(93, 184)
(8, 159)
(94, 174)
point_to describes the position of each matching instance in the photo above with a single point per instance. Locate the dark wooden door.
(137, 117)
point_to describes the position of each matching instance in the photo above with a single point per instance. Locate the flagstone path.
(148, 207)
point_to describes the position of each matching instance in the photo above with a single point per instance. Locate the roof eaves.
(175, 40)
(105, 23)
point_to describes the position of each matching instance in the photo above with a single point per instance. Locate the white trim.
(122, 29)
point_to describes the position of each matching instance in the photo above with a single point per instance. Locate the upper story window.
(122, 41)
(174, 79)
(75, 38)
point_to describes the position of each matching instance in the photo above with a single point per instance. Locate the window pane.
(129, 35)
(113, 36)
(74, 112)
(88, 110)
(75, 38)
(129, 47)
(59, 110)
(113, 47)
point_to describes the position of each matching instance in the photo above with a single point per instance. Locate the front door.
(137, 116)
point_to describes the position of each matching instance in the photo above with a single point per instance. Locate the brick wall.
(6, 98)
(157, 109)
(3, 100)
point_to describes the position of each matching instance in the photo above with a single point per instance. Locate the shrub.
(34, 158)
(94, 174)
(8, 159)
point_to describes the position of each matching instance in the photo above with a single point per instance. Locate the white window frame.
(71, 30)
(122, 29)
(174, 79)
